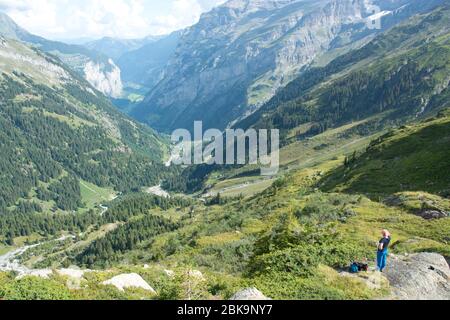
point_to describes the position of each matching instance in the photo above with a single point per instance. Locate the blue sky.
(74, 19)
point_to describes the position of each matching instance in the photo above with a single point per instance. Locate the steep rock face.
(240, 53)
(107, 82)
(100, 71)
(423, 276)
(145, 65)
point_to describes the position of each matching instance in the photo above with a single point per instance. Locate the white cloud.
(98, 18)
(183, 13)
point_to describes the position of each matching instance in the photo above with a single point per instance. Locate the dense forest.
(48, 144)
(106, 250)
(189, 180)
(22, 223)
(53, 137)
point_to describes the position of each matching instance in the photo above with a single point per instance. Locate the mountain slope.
(9, 29)
(97, 68)
(401, 74)
(291, 241)
(413, 158)
(145, 65)
(56, 129)
(116, 48)
(240, 53)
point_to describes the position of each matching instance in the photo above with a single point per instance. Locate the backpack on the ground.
(358, 267)
(363, 267)
(354, 268)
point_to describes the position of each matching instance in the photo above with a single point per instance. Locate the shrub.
(35, 288)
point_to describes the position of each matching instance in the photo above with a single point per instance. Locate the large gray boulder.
(132, 280)
(423, 276)
(249, 294)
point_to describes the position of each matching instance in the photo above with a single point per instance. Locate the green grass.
(249, 243)
(413, 158)
(21, 241)
(93, 195)
(245, 186)
(330, 145)
(5, 249)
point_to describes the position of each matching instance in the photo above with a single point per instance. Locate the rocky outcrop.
(132, 280)
(72, 273)
(170, 273)
(372, 279)
(249, 294)
(423, 276)
(430, 214)
(145, 65)
(422, 204)
(40, 273)
(106, 79)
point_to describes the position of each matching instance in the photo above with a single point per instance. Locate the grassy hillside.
(290, 241)
(412, 158)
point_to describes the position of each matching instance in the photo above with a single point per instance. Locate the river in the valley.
(10, 261)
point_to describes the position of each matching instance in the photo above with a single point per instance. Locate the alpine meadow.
(347, 102)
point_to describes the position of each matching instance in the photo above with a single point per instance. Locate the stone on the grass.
(249, 294)
(422, 276)
(131, 280)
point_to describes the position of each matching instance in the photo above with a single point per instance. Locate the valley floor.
(293, 240)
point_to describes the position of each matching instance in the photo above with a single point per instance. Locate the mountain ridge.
(267, 45)
(145, 65)
(97, 68)
(116, 47)
(422, 38)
